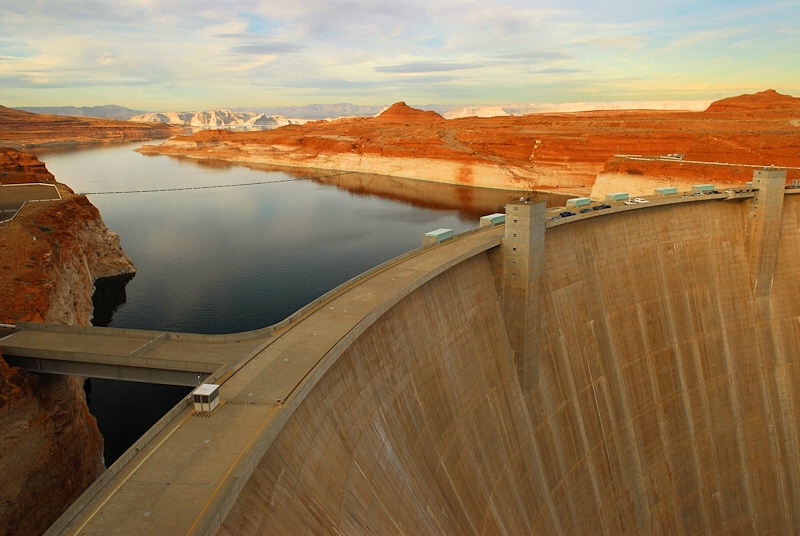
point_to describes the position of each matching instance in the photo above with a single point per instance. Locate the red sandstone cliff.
(50, 448)
(52, 252)
(567, 152)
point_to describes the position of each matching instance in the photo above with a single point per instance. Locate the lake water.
(246, 253)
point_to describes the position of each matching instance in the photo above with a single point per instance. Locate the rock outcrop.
(566, 152)
(53, 252)
(51, 449)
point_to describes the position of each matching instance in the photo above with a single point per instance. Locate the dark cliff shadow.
(109, 294)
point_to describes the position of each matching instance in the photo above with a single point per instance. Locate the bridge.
(629, 372)
(123, 354)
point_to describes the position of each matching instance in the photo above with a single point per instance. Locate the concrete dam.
(635, 371)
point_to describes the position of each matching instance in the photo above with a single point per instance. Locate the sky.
(183, 55)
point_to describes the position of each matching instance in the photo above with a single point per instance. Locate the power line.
(207, 187)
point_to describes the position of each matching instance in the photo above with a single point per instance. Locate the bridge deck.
(177, 480)
(120, 354)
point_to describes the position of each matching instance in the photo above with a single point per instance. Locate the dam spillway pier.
(523, 259)
(764, 227)
(652, 388)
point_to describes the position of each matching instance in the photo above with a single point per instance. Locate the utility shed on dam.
(666, 190)
(470, 400)
(577, 202)
(617, 196)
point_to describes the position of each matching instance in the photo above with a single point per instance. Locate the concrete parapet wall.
(664, 396)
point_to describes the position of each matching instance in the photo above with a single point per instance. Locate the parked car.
(601, 207)
(585, 210)
(630, 202)
(566, 214)
(641, 200)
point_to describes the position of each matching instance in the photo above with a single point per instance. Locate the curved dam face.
(662, 395)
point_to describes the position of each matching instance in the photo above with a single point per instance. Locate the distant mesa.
(400, 112)
(763, 100)
(106, 111)
(20, 129)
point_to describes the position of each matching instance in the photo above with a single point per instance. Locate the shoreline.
(469, 174)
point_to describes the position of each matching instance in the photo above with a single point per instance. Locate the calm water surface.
(238, 258)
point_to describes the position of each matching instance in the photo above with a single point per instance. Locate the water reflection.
(232, 259)
(470, 202)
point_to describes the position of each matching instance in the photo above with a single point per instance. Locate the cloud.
(531, 56)
(714, 37)
(258, 51)
(428, 67)
(555, 70)
(618, 41)
(267, 49)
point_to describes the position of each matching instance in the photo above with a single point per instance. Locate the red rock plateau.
(21, 130)
(569, 153)
(52, 252)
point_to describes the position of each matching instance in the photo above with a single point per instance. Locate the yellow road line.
(100, 507)
(256, 434)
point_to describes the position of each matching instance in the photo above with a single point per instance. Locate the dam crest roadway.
(618, 374)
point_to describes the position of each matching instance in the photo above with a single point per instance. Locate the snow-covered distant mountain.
(224, 118)
(477, 111)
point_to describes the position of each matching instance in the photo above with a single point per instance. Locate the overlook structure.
(633, 370)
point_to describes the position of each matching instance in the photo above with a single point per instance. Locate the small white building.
(206, 397)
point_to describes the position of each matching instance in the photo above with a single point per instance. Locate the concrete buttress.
(764, 228)
(523, 257)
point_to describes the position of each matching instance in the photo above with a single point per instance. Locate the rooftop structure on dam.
(631, 369)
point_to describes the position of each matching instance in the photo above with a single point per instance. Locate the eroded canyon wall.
(52, 253)
(665, 397)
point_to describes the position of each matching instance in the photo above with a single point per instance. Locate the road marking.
(116, 489)
(235, 463)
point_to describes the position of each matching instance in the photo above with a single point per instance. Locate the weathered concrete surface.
(665, 400)
(661, 397)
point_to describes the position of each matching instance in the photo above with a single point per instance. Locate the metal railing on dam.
(662, 395)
